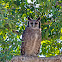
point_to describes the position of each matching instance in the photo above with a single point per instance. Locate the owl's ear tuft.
(38, 18)
(29, 19)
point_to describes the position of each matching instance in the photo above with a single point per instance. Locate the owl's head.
(34, 23)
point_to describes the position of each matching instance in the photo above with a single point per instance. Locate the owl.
(32, 38)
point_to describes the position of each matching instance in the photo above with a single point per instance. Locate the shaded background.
(13, 20)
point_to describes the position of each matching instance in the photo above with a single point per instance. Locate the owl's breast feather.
(30, 38)
(34, 43)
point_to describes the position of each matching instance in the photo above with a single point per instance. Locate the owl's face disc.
(34, 23)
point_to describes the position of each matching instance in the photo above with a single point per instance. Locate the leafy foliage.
(13, 20)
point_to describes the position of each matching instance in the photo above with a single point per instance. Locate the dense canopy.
(13, 20)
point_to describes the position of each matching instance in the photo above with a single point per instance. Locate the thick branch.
(36, 59)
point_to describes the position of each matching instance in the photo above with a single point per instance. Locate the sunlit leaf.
(13, 21)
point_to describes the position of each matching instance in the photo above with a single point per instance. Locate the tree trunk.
(36, 59)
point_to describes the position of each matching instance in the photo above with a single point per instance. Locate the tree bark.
(36, 59)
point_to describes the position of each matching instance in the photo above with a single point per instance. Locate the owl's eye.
(35, 23)
(31, 23)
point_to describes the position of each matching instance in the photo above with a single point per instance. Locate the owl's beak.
(33, 24)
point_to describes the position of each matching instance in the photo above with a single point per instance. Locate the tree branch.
(36, 59)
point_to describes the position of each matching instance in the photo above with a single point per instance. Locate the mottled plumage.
(32, 39)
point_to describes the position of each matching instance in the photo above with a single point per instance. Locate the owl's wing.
(24, 35)
(22, 49)
(24, 38)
